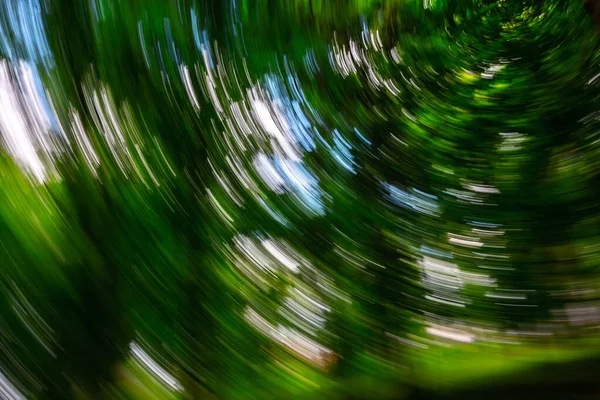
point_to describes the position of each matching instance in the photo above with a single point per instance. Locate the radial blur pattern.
(299, 199)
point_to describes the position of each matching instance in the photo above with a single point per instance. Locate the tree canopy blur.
(296, 198)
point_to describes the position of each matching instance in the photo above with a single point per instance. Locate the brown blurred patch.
(593, 8)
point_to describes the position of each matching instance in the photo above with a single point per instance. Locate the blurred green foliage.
(139, 235)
